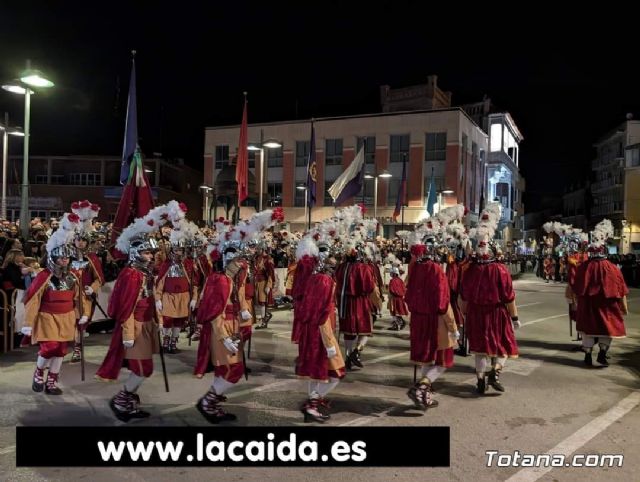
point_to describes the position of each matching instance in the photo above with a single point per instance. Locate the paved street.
(552, 403)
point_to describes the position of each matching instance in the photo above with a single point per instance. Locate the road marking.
(530, 304)
(544, 319)
(8, 450)
(269, 386)
(576, 440)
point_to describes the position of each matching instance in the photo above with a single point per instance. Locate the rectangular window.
(333, 152)
(41, 179)
(369, 148)
(302, 153)
(399, 148)
(300, 196)
(252, 159)
(328, 200)
(274, 197)
(222, 156)
(274, 157)
(436, 146)
(84, 179)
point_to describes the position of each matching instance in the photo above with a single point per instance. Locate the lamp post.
(302, 187)
(29, 78)
(268, 144)
(385, 175)
(6, 131)
(207, 215)
(446, 192)
(624, 243)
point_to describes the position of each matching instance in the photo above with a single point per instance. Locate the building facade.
(55, 182)
(616, 183)
(503, 179)
(444, 144)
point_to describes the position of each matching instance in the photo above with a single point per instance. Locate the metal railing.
(8, 320)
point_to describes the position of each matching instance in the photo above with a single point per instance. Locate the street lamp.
(6, 132)
(29, 78)
(207, 215)
(446, 192)
(385, 175)
(302, 187)
(268, 144)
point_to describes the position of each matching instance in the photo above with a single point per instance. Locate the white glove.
(230, 345)
(516, 324)
(127, 343)
(159, 305)
(245, 314)
(192, 305)
(331, 352)
(267, 291)
(83, 320)
(26, 330)
(88, 290)
(455, 335)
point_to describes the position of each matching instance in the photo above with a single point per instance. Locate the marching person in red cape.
(575, 258)
(396, 304)
(236, 270)
(86, 267)
(52, 303)
(355, 282)
(176, 291)
(132, 306)
(319, 357)
(487, 299)
(601, 294)
(219, 314)
(304, 269)
(203, 269)
(433, 331)
(264, 279)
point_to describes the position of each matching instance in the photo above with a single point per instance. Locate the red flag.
(242, 162)
(136, 201)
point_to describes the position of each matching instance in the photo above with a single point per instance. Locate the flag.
(431, 196)
(242, 161)
(312, 178)
(131, 128)
(137, 198)
(402, 192)
(350, 181)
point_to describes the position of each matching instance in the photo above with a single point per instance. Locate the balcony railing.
(610, 162)
(606, 184)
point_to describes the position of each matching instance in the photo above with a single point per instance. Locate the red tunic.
(122, 304)
(313, 311)
(427, 297)
(487, 288)
(355, 282)
(600, 287)
(397, 290)
(304, 271)
(214, 300)
(454, 275)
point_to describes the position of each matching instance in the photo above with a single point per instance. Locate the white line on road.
(530, 304)
(544, 319)
(8, 450)
(580, 438)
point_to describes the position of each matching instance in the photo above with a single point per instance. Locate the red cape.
(313, 310)
(396, 287)
(214, 297)
(487, 284)
(121, 305)
(36, 284)
(97, 265)
(599, 276)
(427, 290)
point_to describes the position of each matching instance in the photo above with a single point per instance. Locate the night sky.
(565, 80)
